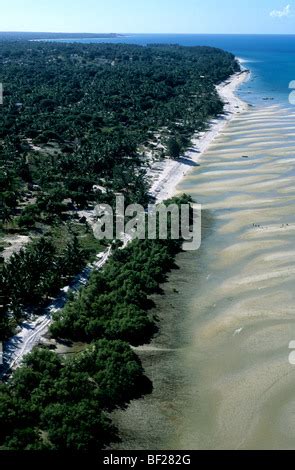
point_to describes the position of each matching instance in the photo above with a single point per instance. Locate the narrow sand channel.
(227, 382)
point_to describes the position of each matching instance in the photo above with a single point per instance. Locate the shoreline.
(167, 174)
(161, 357)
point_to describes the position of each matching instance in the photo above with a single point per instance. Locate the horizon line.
(148, 34)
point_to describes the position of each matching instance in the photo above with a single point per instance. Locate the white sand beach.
(167, 174)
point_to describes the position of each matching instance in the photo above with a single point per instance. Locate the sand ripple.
(242, 387)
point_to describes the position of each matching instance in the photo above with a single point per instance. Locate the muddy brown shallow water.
(224, 380)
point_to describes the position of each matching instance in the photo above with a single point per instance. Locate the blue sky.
(149, 16)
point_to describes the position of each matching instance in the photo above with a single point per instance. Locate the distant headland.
(29, 36)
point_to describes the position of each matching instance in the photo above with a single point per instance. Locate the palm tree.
(5, 215)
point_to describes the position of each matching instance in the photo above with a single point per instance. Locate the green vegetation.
(29, 278)
(73, 120)
(115, 303)
(50, 404)
(174, 148)
(74, 116)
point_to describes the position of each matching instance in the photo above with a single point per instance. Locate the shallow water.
(242, 311)
(228, 383)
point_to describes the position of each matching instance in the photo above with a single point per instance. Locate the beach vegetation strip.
(52, 402)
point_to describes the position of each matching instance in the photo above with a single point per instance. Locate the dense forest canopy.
(76, 117)
(62, 404)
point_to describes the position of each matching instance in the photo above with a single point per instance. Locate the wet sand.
(167, 174)
(228, 383)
